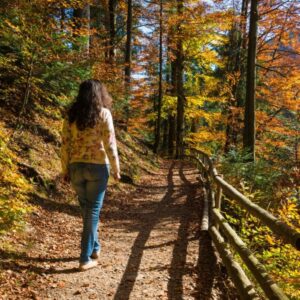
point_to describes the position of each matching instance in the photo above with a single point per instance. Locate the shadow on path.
(207, 269)
(189, 213)
(20, 267)
(178, 264)
(10, 255)
(127, 282)
(19, 262)
(51, 205)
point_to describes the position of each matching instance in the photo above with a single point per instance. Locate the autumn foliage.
(187, 66)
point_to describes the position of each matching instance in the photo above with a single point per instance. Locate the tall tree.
(128, 45)
(249, 119)
(171, 117)
(180, 92)
(236, 66)
(158, 125)
(128, 60)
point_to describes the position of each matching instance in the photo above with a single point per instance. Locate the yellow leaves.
(283, 264)
(270, 239)
(206, 136)
(200, 50)
(169, 106)
(289, 213)
(212, 118)
(13, 186)
(195, 100)
(194, 110)
(12, 26)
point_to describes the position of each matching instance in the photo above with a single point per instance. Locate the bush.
(14, 189)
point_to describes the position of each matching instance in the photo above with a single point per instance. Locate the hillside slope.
(31, 189)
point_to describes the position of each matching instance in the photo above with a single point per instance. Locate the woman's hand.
(117, 176)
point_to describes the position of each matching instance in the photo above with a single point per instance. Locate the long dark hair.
(92, 97)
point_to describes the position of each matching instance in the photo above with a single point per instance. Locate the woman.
(88, 146)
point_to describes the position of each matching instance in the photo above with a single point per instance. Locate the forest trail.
(152, 246)
(151, 249)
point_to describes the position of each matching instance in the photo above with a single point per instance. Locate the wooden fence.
(226, 239)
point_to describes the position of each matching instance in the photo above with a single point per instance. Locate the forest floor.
(152, 246)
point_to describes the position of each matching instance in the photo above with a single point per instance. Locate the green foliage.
(257, 177)
(37, 66)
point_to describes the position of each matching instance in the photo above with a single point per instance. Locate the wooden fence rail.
(219, 228)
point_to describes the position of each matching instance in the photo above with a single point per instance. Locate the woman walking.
(88, 151)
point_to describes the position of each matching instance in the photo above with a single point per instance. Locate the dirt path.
(152, 247)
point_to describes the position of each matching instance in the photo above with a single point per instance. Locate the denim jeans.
(89, 181)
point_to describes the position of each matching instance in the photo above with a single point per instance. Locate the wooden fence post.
(218, 202)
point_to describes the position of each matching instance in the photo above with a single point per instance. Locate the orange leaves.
(278, 55)
(279, 78)
(281, 91)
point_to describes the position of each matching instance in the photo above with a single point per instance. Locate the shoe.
(95, 254)
(88, 265)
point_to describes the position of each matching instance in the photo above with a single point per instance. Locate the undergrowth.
(14, 189)
(262, 183)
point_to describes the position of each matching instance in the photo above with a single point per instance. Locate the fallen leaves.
(142, 248)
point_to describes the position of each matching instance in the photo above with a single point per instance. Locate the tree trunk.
(249, 119)
(128, 61)
(62, 18)
(112, 29)
(180, 93)
(171, 135)
(157, 133)
(241, 43)
(237, 97)
(171, 118)
(82, 18)
(128, 45)
(230, 130)
(27, 87)
(240, 61)
(165, 135)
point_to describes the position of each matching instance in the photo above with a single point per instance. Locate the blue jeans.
(89, 181)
